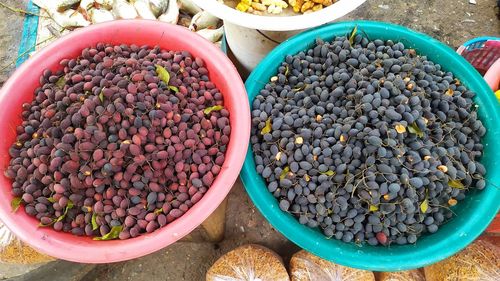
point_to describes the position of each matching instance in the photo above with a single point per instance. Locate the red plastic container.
(20, 87)
(484, 54)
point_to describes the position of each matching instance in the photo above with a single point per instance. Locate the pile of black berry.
(367, 140)
(122, 141)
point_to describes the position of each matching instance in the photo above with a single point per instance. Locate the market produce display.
(361, 140)
(248, 262)
(305, 266)
(122, 141)
(277, 7)
(479, 261)
(367, 140)
(64, 15)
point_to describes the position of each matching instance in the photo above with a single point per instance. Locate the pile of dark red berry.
(122, 141)
(367, 140)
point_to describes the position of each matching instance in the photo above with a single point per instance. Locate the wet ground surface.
(452, 22)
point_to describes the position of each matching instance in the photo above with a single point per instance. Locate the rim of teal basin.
(430, 248)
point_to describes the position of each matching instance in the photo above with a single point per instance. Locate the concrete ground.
(11, 27)
(451, 21)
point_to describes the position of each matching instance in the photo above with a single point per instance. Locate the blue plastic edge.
(356, 257)
(479, 39)
(30, 31)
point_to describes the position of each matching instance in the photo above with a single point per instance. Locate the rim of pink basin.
(492, 76)
(20, 87)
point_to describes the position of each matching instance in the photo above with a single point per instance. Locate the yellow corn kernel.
(307, 6)
(296, 5)
(259, 6)
(317, 7)
(317, 1)
(273, 9)
(281, 3)
(327, 3)
(243, 5)
(427, 157)
(299, 140)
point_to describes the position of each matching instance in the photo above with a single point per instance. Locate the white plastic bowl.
(251, 37)
(298, 22)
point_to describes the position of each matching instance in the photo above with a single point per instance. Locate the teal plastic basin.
(472, 214)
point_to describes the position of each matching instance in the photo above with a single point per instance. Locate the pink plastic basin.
(20, 87)
(492, 77)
